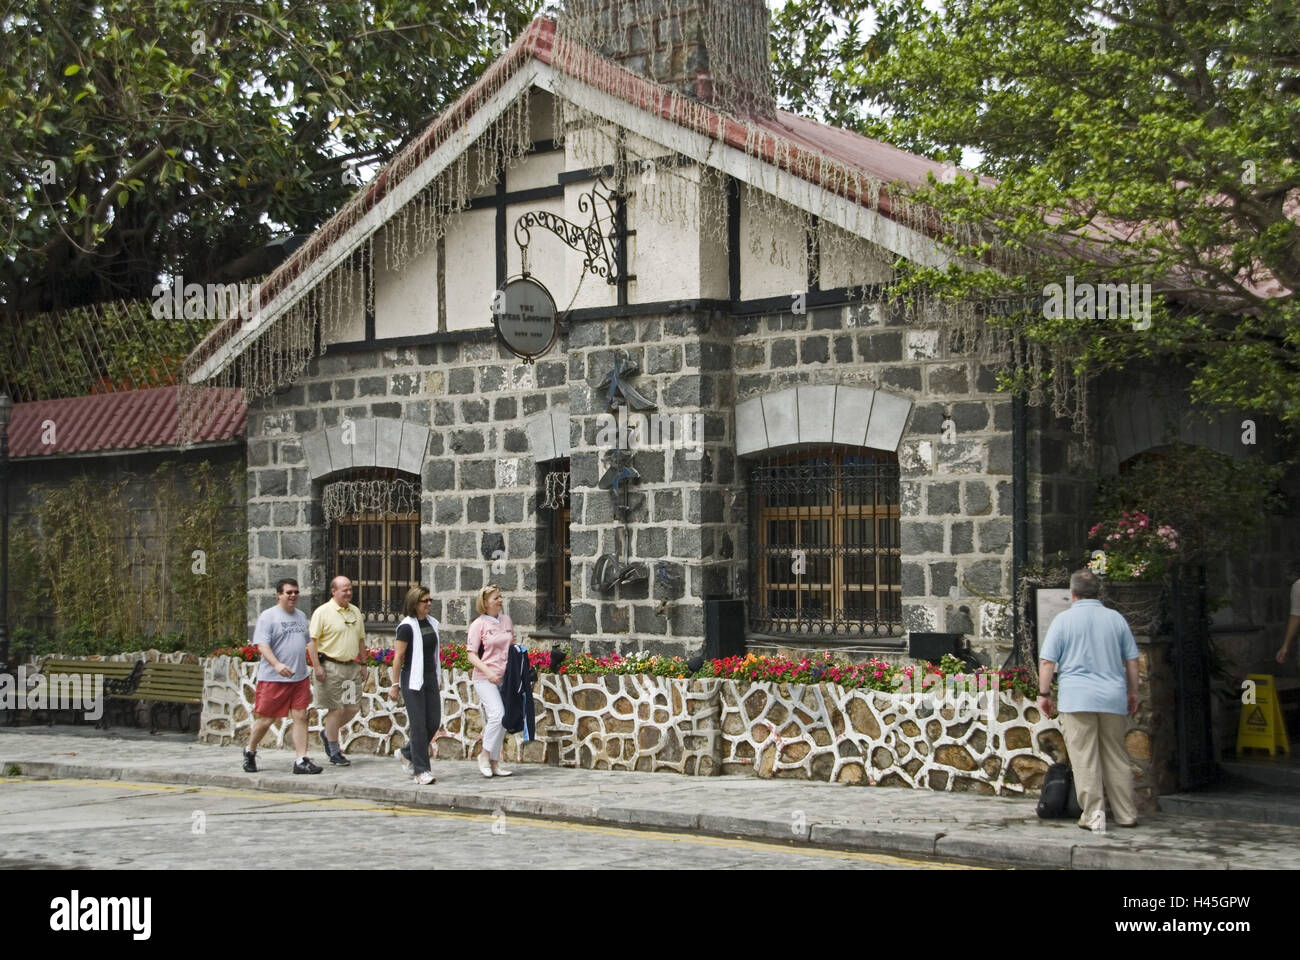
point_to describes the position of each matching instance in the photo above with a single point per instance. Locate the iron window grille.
(556, 569)
(379, 550)
(824, 544)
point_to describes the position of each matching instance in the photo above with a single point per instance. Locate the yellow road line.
(363, 806)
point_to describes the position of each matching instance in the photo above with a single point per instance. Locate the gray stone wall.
(477, 477)
(685, 530)
(479, 471)
(955, 482)
(1062, 479)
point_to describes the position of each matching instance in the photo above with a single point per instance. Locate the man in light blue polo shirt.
(1098, 663)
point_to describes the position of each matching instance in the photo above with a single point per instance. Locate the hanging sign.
(524, 315)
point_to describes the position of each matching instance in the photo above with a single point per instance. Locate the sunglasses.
(426, 600)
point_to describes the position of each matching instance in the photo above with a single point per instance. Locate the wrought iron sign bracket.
(601, 241)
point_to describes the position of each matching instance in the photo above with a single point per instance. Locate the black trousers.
(423, 718)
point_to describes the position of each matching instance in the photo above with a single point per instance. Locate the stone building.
(731, 409)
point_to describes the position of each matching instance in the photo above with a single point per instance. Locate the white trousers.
(489, 698)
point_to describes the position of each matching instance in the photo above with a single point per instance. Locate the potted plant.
(1213, 506)
(1134, 554)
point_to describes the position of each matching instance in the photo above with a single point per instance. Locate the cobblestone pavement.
(906, 823)
(47, 823)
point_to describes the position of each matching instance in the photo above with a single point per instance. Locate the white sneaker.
(406, 764)
(1098, 824)
(500, 771)
(425, 778)
(484, 765)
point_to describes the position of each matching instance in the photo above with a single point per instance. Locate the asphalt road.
(50, 824)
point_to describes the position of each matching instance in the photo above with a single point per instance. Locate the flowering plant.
(614, 663)
(245, 653)
(377, 656)
(1133, 547)
(872, 674)
(1021, 679)
(454, 656)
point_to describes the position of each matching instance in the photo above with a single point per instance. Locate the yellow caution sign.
(1261, 726)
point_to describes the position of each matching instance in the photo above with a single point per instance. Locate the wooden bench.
(170, 686)
(119, 678)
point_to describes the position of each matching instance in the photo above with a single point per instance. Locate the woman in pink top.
(489, 641)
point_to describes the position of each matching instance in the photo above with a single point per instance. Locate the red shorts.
(276, 699)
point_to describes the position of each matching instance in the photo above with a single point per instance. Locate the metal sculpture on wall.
(622, 393)
(598, 241)
(611, 569)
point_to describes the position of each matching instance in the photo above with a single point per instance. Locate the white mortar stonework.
(379, 727)
(987, 742)
(633, 722)
(984, 742)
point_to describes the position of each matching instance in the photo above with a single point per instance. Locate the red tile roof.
(128, 420)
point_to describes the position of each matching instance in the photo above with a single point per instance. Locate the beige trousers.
(1095, 742)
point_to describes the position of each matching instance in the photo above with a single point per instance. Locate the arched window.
(374, 529)
(824, 543)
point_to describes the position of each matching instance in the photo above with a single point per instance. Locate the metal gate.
(1190, 648)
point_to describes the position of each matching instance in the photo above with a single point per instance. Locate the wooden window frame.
(885, 551)
(387, 552)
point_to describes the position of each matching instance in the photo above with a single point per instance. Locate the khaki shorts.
(342, 686)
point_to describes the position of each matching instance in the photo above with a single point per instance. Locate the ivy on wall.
(110, 566)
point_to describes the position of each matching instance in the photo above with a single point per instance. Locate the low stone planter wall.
(633, 722)
(985, 742)
(380, 726)
(979, 742)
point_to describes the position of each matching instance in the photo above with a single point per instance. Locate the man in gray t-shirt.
(283, 687)
(286, 634)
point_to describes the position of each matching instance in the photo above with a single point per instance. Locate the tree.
(148, 137)
(1135, 142)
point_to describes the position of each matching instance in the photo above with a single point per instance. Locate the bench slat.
(114, 669)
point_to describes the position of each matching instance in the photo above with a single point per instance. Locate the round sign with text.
(525, 318)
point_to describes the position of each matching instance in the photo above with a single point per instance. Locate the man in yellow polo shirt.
(336, 633)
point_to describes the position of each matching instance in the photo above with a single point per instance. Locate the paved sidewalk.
(948, 826)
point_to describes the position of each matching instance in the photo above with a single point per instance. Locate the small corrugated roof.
(135, 420)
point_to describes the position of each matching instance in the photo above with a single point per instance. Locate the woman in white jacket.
(416, 676)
